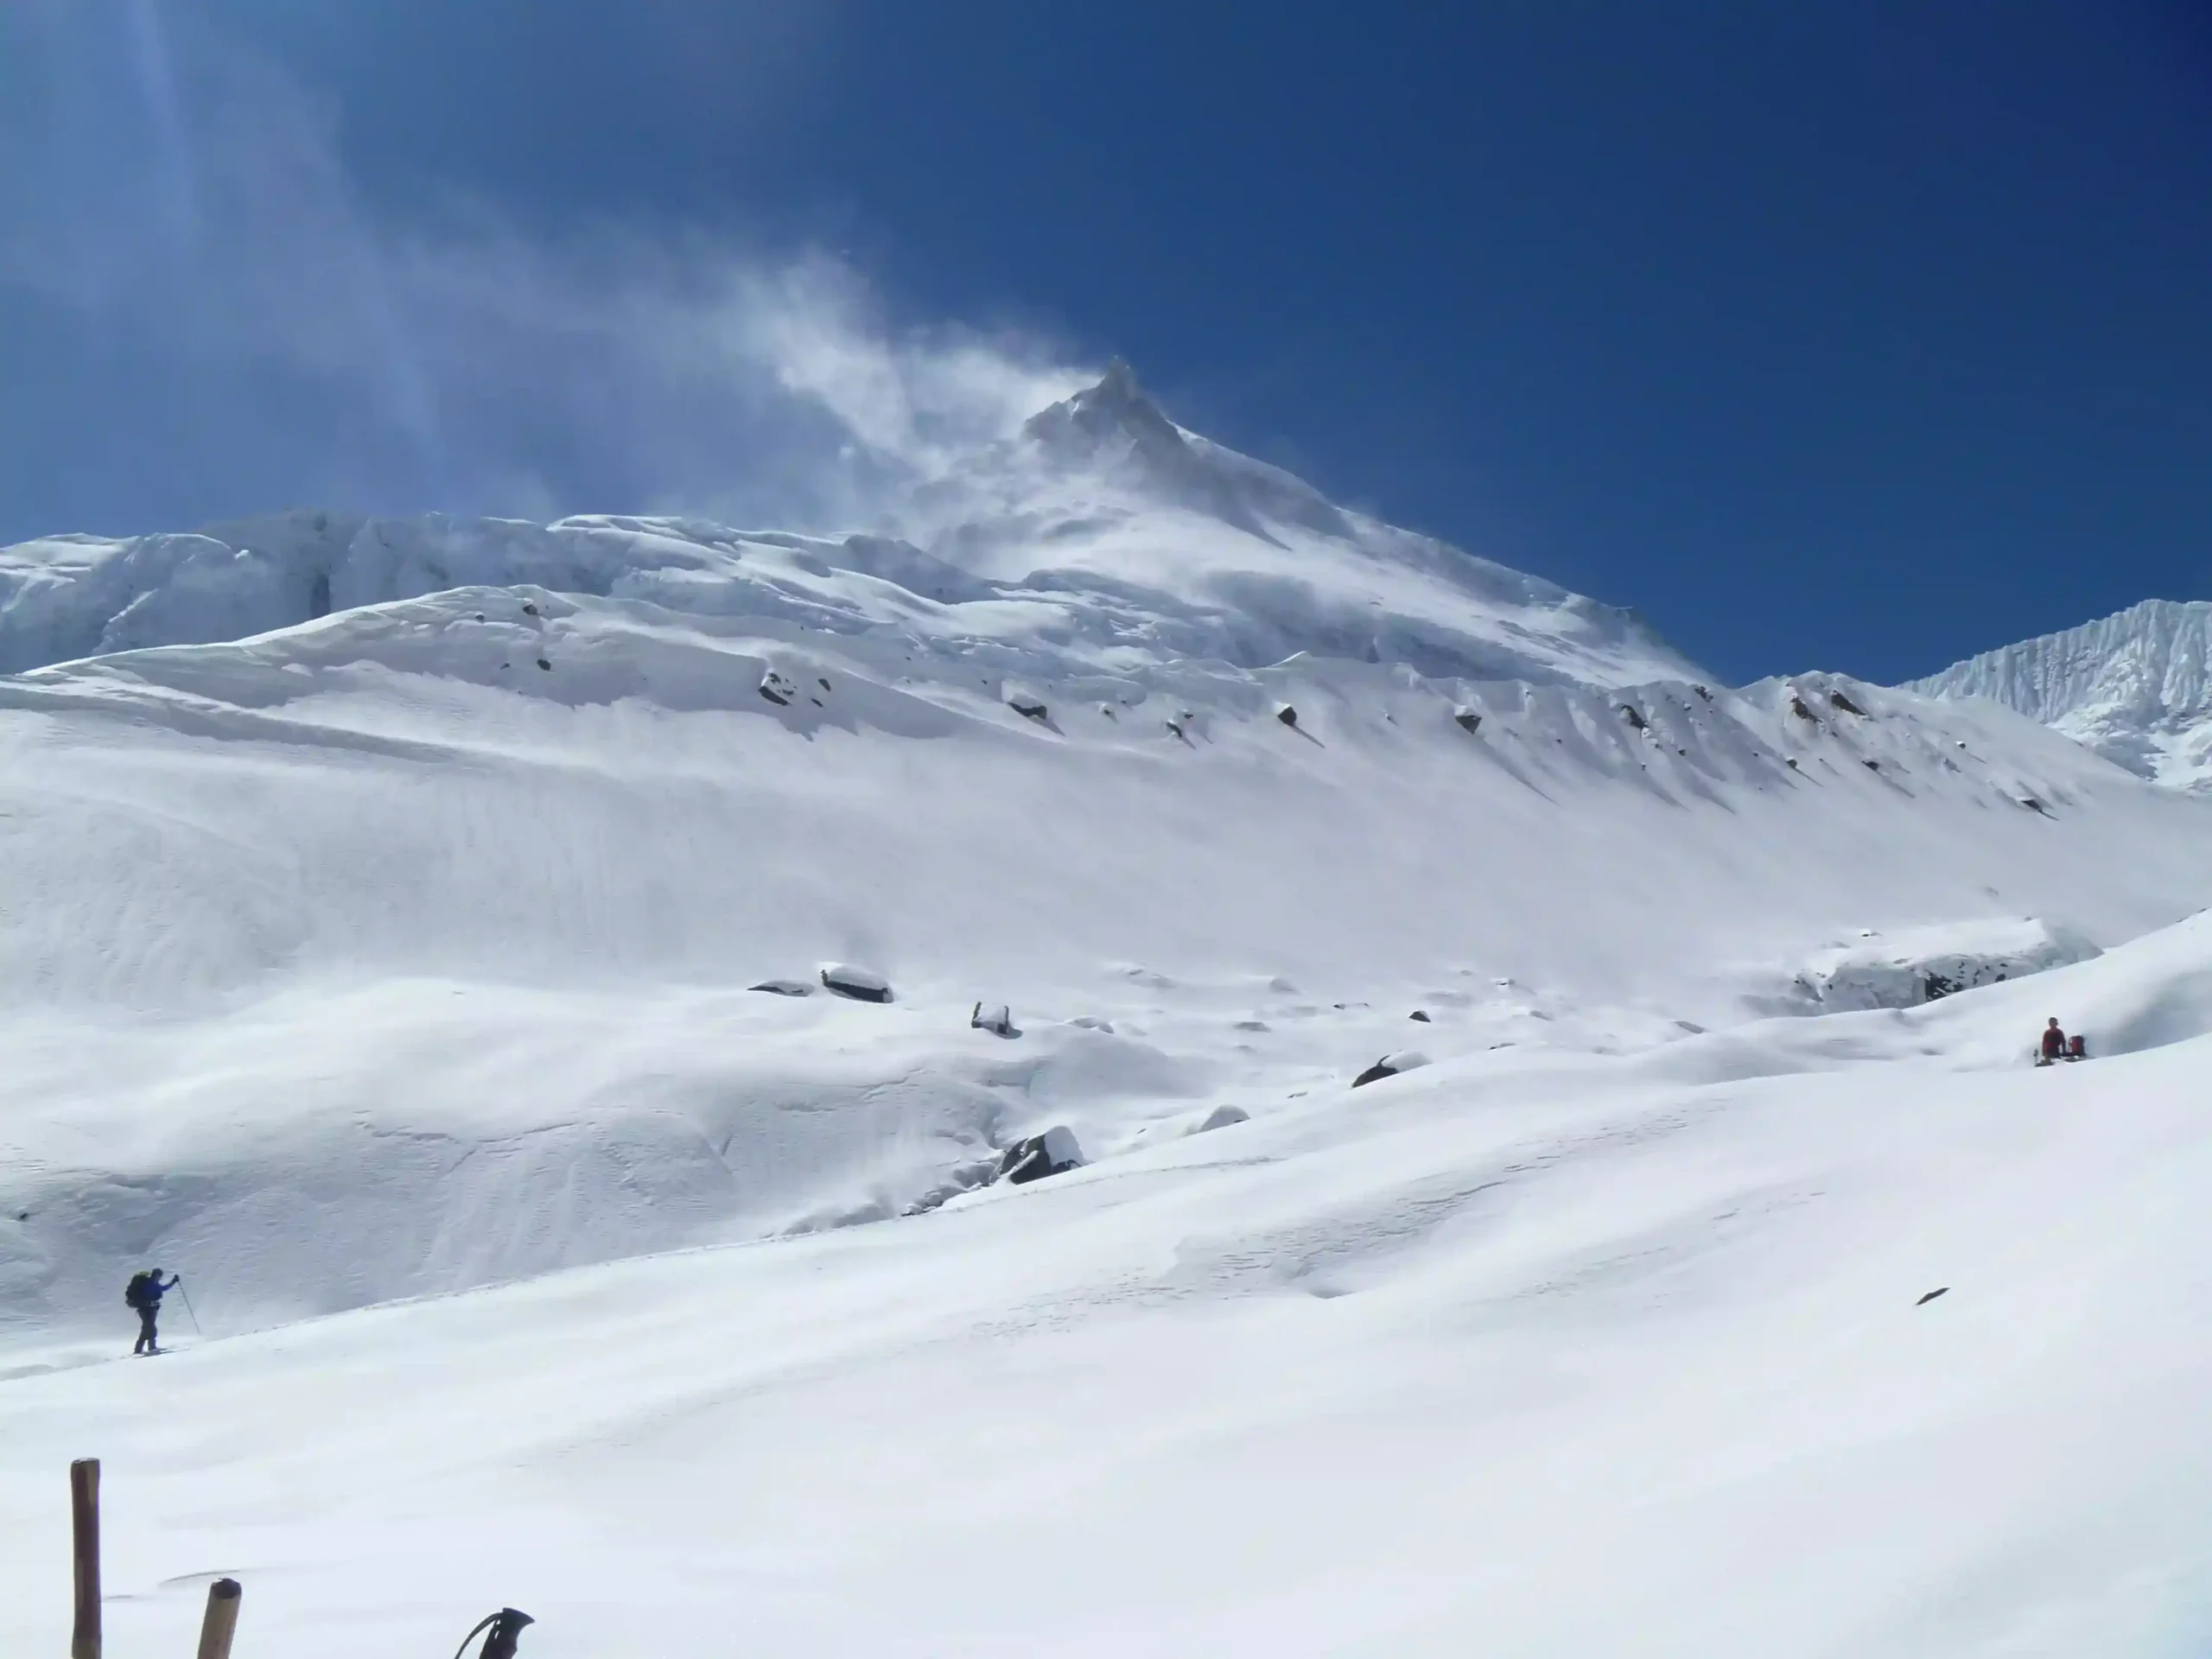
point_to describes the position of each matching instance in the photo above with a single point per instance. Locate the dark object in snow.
(857, 982)
(1467, 719)
(530, 610)
(1791, 764)
(816, 702)
(1222, 1117)
(1871, 765)
(1797, 708)
(2034, 805)
(1389, 1067)
(1846, 704)
(1422, 1015)
(479, 616)
(1630, 713)
(994, 1017)
(547, 666)
(1285, 714)
(505, 1626)
(824, 684)
(1932, 1295)
(1702, 692)
(1176, 726)
(507, 664)
(776, 689)
(1054, 1153)
(1028, 707)
(784, 987)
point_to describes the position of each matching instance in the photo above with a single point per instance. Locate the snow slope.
(2136, 686)
(381, 906)
(380, 922)
(1105, 530)
(1547, 1354)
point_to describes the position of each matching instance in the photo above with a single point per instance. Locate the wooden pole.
(221, 1622)
(85, 1551)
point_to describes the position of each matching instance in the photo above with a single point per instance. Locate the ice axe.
(506, 1627)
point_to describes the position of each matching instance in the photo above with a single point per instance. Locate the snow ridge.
(2136, 686)
(1104, 526)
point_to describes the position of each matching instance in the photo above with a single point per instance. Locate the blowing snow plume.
(179, 210)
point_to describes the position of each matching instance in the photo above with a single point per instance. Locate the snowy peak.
(2136, 686)
(1117, 408)
(1104, 535)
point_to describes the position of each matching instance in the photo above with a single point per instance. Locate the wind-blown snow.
(1107, 536)
(381, 952)
(2136, 686)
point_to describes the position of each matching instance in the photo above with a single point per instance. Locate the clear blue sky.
(1861, 334)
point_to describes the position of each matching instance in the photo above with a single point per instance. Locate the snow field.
(348, 969)
(1554, 1349)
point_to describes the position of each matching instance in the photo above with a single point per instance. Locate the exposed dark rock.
(1420, 1014)
(1375, 1073)
(994, 1017)
(530, 610)
(784, 987)
(1702, 692)
(1797, 708)
(1222, 1117)
(1034, 1157)
(857, 982)
(824, 684)
(1846, 704)
(1871, 765)
(1467, 719)
(1285, 714)
(543, 664)
(778, 688)
(1634, 717)
(1029, 707)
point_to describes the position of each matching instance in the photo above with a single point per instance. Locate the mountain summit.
(1104, 531)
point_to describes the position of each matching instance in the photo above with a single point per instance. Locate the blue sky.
(1855, 335)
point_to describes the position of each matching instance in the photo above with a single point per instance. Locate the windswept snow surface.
(1528, 1352)
(375, 946)
(2136, 686)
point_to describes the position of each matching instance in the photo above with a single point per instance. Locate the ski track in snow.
(394, 989)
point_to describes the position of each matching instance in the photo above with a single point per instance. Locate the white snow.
(395, 989)
(2136, 686)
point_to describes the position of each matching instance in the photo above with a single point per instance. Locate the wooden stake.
(221, 1622)
(85, 1551)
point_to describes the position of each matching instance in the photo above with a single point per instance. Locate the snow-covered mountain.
(1103, 529)
(399, 930)
(2136, 686)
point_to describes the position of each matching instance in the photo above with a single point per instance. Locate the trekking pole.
(187, 1294)
(220, 1623)
(85, 1556)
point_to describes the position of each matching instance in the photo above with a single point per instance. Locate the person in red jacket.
(2054, 1042)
